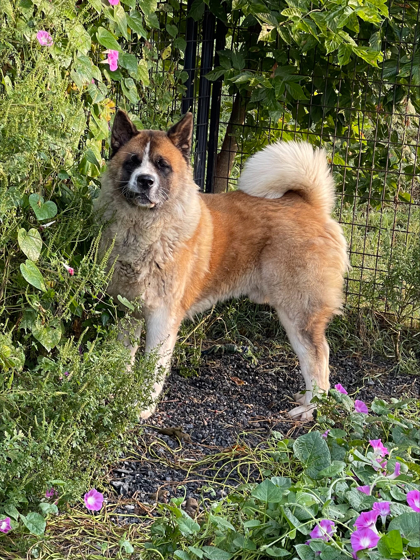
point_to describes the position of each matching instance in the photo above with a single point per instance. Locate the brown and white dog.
(182, 251)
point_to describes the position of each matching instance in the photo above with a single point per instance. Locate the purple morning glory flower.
(325, 434)
(5, 526)
(382, 508)
(397, 470)
(93, 500)
(366, 520)
(340, 389)
(51, 493)
(364, 489)
(363, 538)
(44, 38)
(413, 499)
(378, 447)
(324, 530)
(360, 406)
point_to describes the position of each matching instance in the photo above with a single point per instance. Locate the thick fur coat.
(181, 251)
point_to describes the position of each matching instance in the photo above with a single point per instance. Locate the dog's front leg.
(162, 326)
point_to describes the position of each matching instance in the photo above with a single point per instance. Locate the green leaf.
(49, 337)
(127, 546)
(305, 552)
(130, 90)
(215, 74)
(335, 468)
(244, 543)
(48, 508)
(268, 492)
(34, 522)
(391, 545)
(276, 552)
(214, 553)
(312, 450)
(180, 43)
(96, 4)
(30, 243)
(172, 29)
(135, 21)
(344, 54)
(32, 275)
(238, 60)
(221, 522)
(121, 19)
(143, 73)
(182, 555)
(11, 511)
(43, 210)
(129, 62)
(408, 525)
(187, 526)
(292, 13)
(107, 40)
(197, 551)
(197, 10)
(296, 91)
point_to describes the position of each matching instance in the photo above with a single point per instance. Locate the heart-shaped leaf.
(43, 210)
(30, 242)
(49, 337)
(32, 275)
(34, 522)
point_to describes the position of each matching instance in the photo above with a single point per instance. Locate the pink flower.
(323, 530)
(93, 500)
(397, 470)
(382, 508)
(66, 373)
(340, 389)
(363, 538)
(364, 489)
(51, 493)
(114, 2)
(112, 59)
(44, 38)
(413, 499)
(378, 447)
(5, 526)
(325, 434)
(69, 269)
(360, 406)
(366, 520)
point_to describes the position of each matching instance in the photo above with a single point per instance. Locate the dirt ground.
(235, 398)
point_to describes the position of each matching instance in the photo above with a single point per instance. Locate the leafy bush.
(338, 476)
(63, 396)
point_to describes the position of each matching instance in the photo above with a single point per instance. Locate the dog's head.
(149, 166)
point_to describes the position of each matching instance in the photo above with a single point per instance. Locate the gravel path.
(235, 398)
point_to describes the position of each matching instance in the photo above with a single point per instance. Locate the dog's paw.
(304, 413)
(299, 398)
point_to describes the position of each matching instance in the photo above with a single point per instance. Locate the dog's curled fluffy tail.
(290, 166)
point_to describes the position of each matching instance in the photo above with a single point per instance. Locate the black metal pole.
(190, 61)
(216, 102)
(204, 98)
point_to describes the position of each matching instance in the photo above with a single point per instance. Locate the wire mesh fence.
(367, 118)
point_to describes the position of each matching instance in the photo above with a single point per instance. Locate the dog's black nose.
(145, 181)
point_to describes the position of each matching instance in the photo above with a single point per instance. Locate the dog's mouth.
(140, 200)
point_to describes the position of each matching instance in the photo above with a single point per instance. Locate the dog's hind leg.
(312, 349)
(161, 330)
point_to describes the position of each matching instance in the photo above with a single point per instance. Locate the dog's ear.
(123, 130)
(181, 135)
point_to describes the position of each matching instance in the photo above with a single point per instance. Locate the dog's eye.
(132, 162)
(163, 164)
